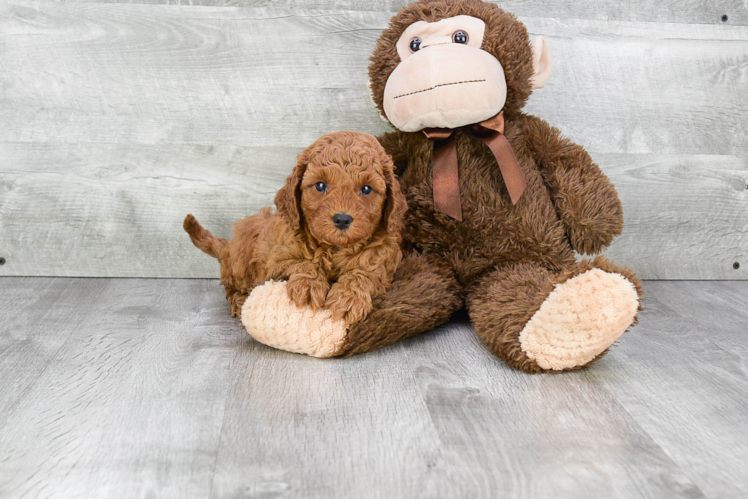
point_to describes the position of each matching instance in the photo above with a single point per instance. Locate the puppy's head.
(343, 190)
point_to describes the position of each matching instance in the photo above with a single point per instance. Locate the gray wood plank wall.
(117, 119)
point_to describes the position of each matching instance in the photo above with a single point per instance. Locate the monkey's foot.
(580, 319)
(272, 319)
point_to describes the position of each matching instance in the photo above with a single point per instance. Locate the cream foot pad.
(580, 319)
(271, 318)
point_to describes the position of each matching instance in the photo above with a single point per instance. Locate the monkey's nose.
(342, 221)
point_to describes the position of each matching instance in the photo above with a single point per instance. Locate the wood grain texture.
(273, 77)
(419, 420)
(147, 388)
(687, 364)
(686, 216)
(689, 11)
(118, 119)
(507, 434)
(141, 197)
(103, 394)
(353, 427)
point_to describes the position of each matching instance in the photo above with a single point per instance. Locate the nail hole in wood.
(736, 265)
(724, 18)
(2, 261)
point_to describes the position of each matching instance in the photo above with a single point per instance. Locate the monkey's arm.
(585, 199)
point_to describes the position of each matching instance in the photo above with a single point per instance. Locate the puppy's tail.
(202, 238)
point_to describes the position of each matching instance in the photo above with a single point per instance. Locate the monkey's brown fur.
(501, 261)
(325, 267)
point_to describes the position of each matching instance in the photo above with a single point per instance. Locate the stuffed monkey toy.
(498, 202)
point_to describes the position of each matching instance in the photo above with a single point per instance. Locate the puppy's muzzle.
(342, 221)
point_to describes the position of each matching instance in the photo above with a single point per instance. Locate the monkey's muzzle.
(444, 86)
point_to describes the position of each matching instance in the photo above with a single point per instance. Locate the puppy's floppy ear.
(288, 198)
(395, 205)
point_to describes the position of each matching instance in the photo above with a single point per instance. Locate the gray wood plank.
(108, 396)
(690, 11)
(507, 434)
(686, 217)
(165, 74)
(113, 210)
(25, 350)
(300, 427)
(634, 87)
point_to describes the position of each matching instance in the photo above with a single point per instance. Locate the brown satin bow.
(446, 173)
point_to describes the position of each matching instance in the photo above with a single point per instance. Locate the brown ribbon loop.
(438, 134)
(446, 171)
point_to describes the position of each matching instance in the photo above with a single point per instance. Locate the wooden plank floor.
(147, 388)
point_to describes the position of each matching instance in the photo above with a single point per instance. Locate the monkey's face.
(444, 79)
(447, 64)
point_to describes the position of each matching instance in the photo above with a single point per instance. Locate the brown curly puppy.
(335, 236)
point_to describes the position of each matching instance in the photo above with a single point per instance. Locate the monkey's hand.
(593, 228)
(271, 317)
(585, 199)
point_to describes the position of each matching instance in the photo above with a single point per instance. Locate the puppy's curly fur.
(338, 269)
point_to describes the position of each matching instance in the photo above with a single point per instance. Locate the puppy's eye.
(460, 37)
(415, 44)
(366, 190)
(321, 187)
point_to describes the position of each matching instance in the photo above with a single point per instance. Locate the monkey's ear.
(395, 205)
(541, 62)
(288, 198)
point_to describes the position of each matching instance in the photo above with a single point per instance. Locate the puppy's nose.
(342, 221)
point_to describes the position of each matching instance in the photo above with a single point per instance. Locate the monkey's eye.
(366, 190)
(460, 37)
(415, 44)
(321, 187)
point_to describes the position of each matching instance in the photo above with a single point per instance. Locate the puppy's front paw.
(348, 305)
(304, 291)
